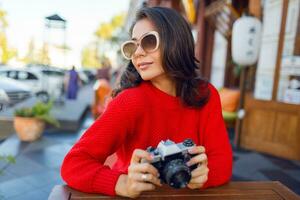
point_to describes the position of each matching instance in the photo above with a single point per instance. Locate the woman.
(161, 96)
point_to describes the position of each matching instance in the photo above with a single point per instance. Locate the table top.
(232, 190)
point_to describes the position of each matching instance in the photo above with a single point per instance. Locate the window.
(53, 73)
(31, 76)
(3, 74)
(12, 74)
(22, 75)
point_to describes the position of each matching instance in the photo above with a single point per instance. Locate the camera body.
(170, 160)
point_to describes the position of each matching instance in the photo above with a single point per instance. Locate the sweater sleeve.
(216, 143)
(83, 167)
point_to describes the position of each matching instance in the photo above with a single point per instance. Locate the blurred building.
(272, 106)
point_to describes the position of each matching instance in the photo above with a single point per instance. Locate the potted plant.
(29, 122)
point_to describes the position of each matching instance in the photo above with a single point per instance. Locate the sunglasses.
(149, 43)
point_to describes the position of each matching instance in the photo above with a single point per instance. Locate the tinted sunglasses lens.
(149, 42)
(129, 49)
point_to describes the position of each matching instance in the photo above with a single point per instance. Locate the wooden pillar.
(230, 79)
(208, 51)
(280, 49)
(239, 121)
(297, 42)
(199, 47)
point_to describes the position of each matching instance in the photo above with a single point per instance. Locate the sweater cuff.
(105, 181)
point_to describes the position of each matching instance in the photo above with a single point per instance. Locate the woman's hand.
(141, 176)
(200, 174)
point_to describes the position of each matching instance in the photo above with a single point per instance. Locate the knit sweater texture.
(140, 117)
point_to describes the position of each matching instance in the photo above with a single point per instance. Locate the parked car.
(15, 91)
(44, 82)
(4, 99)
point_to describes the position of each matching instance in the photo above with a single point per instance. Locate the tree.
(105, 31)
(89, 58)
(107, 35)
(118, 20)
(43, 55)
(6, 53)
(30, 57)
(3, 21)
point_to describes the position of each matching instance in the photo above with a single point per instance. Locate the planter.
(28, 129)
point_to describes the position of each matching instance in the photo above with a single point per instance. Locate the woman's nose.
(139, 51)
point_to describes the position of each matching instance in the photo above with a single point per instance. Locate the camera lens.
(177, 173)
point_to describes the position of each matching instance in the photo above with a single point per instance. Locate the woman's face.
(148, 65)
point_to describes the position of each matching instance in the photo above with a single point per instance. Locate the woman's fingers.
(143, 168)
(200, 174)
(138, 154)
(199, 171)
(199, 159)
(146, 178)
(199, 180)
(197, 150)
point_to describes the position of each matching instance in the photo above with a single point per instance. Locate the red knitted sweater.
(140, 117)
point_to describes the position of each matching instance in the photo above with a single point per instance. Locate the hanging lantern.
(246, 36)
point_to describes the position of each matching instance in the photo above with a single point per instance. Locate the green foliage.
(39, 110)
(90, 58)
(6, 51)
(107, 30)
(8, 159)
(107, 40)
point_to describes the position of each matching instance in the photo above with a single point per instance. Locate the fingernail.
(188, 164)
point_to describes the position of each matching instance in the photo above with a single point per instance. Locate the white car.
(12, 92)
(46, 83)
(4, 99)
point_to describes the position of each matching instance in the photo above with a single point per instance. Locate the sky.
(27, 20)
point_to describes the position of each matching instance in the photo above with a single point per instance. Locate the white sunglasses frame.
(137, 43)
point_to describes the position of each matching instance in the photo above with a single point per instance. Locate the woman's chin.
(146, 77)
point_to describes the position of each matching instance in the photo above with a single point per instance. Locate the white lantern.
(246, 36)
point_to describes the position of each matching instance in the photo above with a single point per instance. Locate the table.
(232, 190)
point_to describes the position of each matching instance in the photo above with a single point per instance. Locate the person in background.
(72, 82)
(105, 71)
(160, 96)
(102, 91)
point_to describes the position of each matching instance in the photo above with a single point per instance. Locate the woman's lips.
(144, 65)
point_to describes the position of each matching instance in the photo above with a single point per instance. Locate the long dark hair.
(178, 60)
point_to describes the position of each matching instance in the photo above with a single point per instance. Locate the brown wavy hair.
(178, 60)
